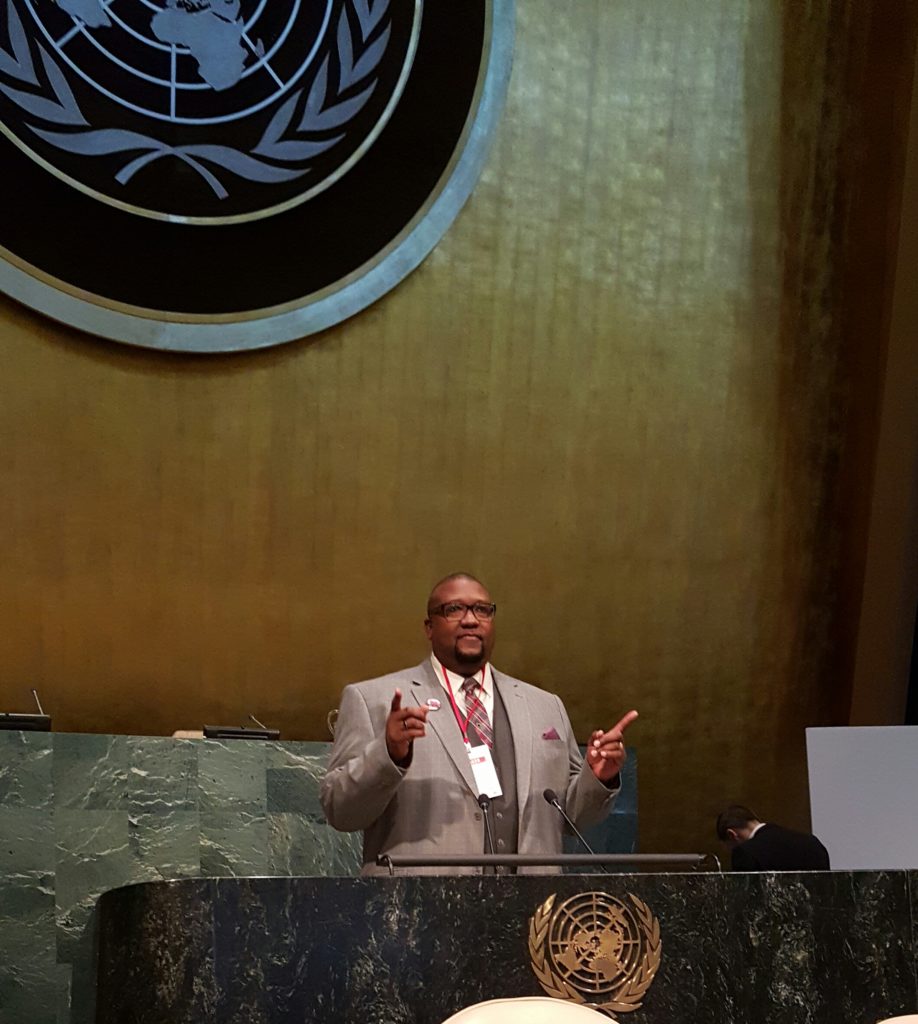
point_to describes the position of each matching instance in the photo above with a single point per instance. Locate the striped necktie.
(478, 715)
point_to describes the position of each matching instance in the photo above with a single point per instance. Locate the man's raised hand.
(403, 726)
(606, 750)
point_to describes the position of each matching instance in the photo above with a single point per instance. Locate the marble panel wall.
(82, 814)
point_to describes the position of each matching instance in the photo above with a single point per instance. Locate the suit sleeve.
(587, 800)
(361, 778)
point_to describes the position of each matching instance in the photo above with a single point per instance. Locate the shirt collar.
(456, 681)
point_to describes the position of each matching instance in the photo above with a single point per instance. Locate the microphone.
(484, 802)
(551, 797)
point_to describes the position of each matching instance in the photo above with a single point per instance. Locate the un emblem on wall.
(210, 175)
(595, 949)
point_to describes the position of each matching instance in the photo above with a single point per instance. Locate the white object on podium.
(526, 1010)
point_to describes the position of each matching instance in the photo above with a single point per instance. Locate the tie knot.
(469, 686)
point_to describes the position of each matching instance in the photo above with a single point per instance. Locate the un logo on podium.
(595, 949)
(290, 147)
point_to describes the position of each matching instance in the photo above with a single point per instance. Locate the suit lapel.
(442, 723)
(521, 728)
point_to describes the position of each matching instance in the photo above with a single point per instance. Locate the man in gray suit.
(413, 750)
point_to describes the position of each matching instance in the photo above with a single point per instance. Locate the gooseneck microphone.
(551, 797)
(484, 802)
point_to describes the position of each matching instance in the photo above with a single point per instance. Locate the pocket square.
(551, 734)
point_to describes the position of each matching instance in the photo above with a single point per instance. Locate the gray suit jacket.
(431, 807)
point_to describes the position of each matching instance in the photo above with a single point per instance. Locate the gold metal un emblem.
(595, 949)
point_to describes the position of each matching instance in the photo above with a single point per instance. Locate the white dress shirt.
(485, 689)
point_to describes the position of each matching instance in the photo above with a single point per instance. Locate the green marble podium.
(821, 947)
(82, 814)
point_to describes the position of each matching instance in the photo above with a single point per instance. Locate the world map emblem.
(596, 949)
(304, 154)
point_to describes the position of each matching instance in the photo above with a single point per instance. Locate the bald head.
(434, 598)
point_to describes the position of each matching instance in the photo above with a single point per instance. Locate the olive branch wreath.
(327, 109)
(629, 995)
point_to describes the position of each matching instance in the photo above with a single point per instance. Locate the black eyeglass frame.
(441, 611)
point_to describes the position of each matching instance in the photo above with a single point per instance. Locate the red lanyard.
(463, 725)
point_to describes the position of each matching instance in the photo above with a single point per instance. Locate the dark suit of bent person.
(774, 848)
(431, 807)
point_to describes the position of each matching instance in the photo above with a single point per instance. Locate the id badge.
(484, 771)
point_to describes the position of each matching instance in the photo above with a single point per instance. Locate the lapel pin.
(433, 703)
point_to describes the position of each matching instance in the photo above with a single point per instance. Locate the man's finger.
(411, 732)
(622, 725)
(396, 700)
(616, 733)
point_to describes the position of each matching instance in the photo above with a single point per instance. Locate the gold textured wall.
(617, 390)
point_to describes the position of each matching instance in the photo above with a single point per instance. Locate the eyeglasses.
(454, 611)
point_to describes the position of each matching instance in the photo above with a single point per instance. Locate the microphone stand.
(484, 802)
(551, 797)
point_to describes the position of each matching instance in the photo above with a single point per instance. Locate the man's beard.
(470, 659)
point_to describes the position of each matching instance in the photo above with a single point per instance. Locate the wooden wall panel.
(612, 391)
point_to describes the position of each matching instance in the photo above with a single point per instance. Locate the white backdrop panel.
(864, 795)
